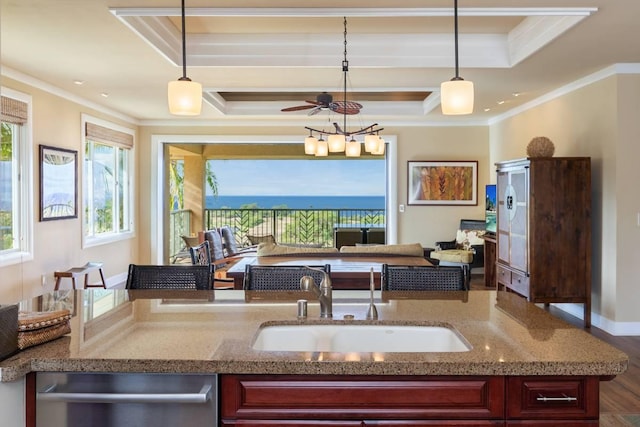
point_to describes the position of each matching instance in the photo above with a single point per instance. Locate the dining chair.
(280, 277)
(424, 278)
(194, 277)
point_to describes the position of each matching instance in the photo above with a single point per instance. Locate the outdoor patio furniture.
(201, 255)
(183, 254)
(230, 244)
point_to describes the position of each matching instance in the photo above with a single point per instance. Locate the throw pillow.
(467, 238)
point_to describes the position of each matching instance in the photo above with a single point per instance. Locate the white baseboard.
(600, 322)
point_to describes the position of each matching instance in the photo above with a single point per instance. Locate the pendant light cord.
(345, 69)
(455, 26)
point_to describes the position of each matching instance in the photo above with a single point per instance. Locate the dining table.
(347, 272)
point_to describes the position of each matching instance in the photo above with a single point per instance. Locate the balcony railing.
(312, 227)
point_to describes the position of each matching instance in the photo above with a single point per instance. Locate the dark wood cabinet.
(490, 280)
(296, 400)
(544, 230)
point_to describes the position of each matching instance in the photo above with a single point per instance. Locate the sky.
(299, 177)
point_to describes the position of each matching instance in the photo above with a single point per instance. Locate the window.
(107, 182)
(16, 209)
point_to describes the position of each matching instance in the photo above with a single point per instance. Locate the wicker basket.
(42, 326)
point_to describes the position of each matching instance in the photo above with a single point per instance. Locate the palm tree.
(176, 183)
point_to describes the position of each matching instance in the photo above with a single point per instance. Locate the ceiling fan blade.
(314, 111)
(298, 108)
(347, 111)
(348, 105)
(338, 128)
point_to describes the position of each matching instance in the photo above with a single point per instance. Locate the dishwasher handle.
(49, 393)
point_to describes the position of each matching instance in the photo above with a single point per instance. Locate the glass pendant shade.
(336, 143)
(371, 143)
(322, 148)
(185, 97)
(352, 149)
(456, 97)
(310, 145)
(379, 151)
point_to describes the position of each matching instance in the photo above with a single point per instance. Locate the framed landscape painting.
(443, 183)
(58, 183)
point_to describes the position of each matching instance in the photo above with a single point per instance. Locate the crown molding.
(54, 90)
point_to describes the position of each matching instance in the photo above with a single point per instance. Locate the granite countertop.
(155, 332)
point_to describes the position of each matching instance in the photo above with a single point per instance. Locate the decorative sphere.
(540, 146)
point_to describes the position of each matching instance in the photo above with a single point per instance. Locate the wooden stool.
(77, 271)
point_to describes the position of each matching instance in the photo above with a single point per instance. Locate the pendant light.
(310, 144)
(184, 96)
(456, 95)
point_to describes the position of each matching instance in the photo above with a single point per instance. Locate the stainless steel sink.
(349, 338)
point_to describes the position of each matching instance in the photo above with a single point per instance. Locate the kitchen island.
(524, 365)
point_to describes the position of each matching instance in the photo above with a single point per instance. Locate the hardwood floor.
(619, 398)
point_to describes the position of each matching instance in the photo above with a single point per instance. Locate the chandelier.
(341, 139)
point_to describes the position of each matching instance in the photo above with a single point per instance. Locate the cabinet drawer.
(561, 398)
(520, 284)
(504, 275)
(345, 398)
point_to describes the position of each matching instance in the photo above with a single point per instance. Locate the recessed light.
(487, 109)
(500, 102)
(104, 95)
(516, 94)
(78, 82)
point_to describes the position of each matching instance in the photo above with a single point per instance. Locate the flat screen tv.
(490, 210)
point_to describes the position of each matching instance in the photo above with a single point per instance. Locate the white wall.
(58, 244)
(599, 120)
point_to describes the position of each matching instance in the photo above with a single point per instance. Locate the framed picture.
(58, 183)
(443, 183)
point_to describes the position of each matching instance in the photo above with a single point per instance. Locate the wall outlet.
(401, 208)
(43, 279)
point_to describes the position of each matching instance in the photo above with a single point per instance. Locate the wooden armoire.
(544, 229)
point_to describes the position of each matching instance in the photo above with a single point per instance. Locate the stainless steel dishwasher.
(126, 400)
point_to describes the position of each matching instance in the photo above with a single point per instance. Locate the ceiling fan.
(324, 101)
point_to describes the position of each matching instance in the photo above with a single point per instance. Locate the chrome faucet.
(324, 292)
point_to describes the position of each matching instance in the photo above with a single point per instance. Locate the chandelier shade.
(353, 148)
(310, 145)
(336, 143)
(322, 148)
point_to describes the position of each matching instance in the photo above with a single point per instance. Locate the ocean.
(297, 202)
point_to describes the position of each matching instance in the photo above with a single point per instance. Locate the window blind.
(13, 111)
(99, 133)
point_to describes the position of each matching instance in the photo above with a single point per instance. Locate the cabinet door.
(513, 227)
(296, 397)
